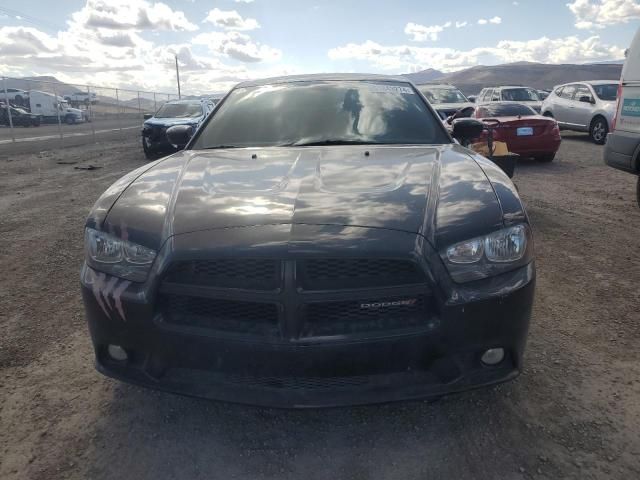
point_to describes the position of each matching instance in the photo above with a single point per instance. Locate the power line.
(30, 19)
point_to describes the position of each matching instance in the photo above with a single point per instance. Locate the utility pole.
(178, 75)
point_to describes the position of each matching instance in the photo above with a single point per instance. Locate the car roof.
(590, 82)
(436, 85)
(320, 77)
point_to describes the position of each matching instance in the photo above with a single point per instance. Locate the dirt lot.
(574, 413)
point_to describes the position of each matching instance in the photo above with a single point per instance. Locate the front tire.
(70, 119)
(149, 152)
(598, 130)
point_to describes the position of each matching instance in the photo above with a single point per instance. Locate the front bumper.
(622, 151)
(439, 357)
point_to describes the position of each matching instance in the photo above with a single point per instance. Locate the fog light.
(493, 356)
(117, 353)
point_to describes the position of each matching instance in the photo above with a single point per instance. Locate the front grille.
(341, 273)
(249, 318)
(249, 274)
(253, 297)
(364, 316)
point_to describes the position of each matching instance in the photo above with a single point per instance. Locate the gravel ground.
(574, 413)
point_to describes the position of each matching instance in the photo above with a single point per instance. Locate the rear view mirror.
(147, 116)
(179, 135)
(466, 129)
(586, 99)
(472, 98)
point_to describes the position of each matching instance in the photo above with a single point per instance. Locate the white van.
(622, 150)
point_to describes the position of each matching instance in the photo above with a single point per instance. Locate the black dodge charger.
(321, 241)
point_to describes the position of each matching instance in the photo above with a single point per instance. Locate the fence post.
(139, 107)
(118, 109)
(58, 106)
(90, 117)
(6, 100)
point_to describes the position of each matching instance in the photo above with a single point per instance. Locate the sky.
(132, 43)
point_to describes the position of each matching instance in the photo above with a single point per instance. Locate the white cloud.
(25, 41)
(231, 20)
(420, 33)
(495, 20)
(411, 58)
(130, 15)
(461, 24)
(602, 13)
(238, 46)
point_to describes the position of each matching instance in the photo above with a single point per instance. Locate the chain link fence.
(34, 110)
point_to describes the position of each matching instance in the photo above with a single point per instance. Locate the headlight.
(489, 255)
(110, 254)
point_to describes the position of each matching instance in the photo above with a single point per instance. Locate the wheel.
(598, 130)
(70, 119)
(548, 158)
(149, 152)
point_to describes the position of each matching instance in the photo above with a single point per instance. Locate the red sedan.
(519, 126)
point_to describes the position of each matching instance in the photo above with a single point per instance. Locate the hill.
(536, 75)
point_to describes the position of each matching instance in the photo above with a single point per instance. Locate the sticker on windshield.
(378, 88)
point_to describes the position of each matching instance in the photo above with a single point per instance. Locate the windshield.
(328, 112)
(520, 95)
(179, 110)
(437, 95)
(607, 92)
(504, 110)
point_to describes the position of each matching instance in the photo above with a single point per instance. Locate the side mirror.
(179, 135)
(466, 129)
(472, 98)
(147, 116)
(586, 99)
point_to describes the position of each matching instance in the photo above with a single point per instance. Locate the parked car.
(175, 112)
(542, 94)
(511, 94)
(525, 132)
(321, 241)
(81, 98)
(446, 99)
(15, 96)
(584, 107)
(622, 150)
(19, 117)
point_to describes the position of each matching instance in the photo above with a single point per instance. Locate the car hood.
(169, 122)
(439, 192)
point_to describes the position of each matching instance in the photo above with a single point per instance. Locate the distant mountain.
(536, 75)
(424, 76)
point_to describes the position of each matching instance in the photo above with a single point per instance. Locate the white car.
(584, 106)
(15, 95)
(81, 97)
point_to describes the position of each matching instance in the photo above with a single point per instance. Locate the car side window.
(568, 92)
(582, 91)
(495, 97)
(558, 91)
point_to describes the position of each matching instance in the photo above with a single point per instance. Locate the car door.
(580, 112)
(562, 109)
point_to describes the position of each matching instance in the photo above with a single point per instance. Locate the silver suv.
(514, 93)
(584, 107)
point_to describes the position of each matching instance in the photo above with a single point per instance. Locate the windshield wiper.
(329, 141)
(216, 147)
